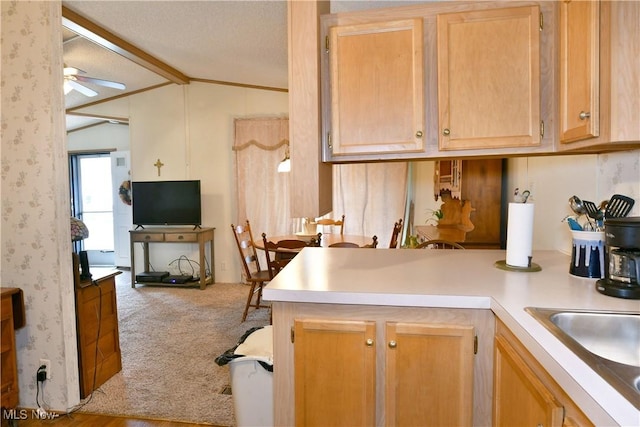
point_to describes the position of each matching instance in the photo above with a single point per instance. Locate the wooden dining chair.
(397, 229)
(286, 249)
(439, 244)
(280, 253)
(373, 244)
(253, 274)
(333, 223)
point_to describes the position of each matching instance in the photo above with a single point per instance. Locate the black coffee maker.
(621, 258)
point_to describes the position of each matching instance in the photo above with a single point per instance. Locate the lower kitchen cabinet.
(429, 374)
(335, 371)
(378, 365)
(524, 393)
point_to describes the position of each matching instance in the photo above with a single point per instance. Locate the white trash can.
(252, 379)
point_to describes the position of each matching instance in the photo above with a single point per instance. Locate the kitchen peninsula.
(370, 290)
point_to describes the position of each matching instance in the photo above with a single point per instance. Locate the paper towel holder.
(533, 267)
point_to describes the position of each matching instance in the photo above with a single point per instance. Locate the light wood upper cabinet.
(376, 88)
(599, 58)
(489, 78)
(579, 70)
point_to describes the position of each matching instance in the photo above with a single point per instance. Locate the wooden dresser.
(12, 317)
(99, 356)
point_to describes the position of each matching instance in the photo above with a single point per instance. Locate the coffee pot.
(622, 258)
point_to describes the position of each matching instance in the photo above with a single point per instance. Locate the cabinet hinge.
(541, 21)
(542, 129)
(326, 44)
(293, 335)
(475, 344)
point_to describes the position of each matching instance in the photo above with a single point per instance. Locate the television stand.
(174, 235)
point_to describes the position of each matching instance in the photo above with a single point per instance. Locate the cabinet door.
(429, 375)
(334, 373)
(519, 396)
(489, 78)
(579, 70)
(376, 88)
(8, 368)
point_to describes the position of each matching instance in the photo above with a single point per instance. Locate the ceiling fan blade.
(72, 71)
(82, 89)
(106, 83)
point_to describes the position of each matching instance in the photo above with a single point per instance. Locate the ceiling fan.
(73, 77)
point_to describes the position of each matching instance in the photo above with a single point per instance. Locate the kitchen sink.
(609, 342)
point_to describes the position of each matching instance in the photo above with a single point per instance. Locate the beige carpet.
(169, 338)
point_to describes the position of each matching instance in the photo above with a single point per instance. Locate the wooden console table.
(12, 314)
(174, 235)
(99, 357)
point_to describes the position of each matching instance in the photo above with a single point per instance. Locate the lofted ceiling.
(151, 43)
(237, 42)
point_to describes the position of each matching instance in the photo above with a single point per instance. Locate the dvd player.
(178, 279)
(151, 276)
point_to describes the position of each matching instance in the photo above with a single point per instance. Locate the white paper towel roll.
(519, 234)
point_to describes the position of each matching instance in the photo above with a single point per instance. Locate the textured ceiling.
(243, 42)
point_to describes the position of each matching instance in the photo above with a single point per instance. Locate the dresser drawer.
(148, 237)
(180, 237)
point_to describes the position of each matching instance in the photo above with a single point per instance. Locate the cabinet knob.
(369, 342)
(393, 344)
(419, 134)
(446, 132)
(584, 115)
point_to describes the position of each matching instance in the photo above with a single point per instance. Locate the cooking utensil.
(619, 206)
(591, 209)
(574, 225)
(594, 212)
(577, 206)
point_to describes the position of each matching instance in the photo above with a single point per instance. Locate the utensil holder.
(587, 254)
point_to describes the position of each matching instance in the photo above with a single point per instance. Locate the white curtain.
(262, 192)
(372, 196)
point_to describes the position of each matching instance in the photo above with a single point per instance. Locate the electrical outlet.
(223, 266)
(47, 367)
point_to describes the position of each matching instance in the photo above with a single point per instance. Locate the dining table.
(326, 240)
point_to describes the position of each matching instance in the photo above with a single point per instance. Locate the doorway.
(92, 202)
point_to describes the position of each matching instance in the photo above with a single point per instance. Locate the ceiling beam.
(111, 119)
(82, 26)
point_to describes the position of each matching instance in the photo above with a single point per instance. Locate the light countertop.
(467, 279)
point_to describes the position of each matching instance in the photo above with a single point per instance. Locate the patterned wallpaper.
(34, 223)
(36, 247)
(619, 173)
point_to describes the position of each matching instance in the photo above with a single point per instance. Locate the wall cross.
(158, 164)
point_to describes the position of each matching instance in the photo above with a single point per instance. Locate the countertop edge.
(597, 398)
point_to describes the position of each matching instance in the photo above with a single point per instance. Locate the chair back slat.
(328, 222)
(246, 248)
(397, 229)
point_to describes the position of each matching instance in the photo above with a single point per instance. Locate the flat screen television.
(166, 203)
